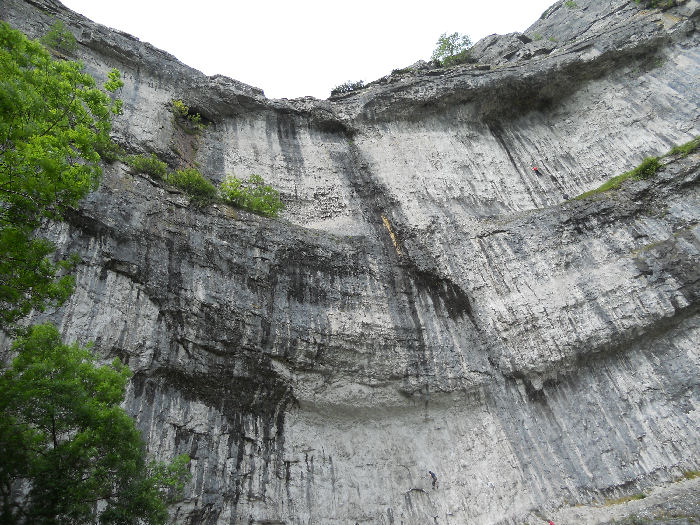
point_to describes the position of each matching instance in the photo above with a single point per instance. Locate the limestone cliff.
(426, 302)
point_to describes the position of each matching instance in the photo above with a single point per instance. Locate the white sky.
(293, 49)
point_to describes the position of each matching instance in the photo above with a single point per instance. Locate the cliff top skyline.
(306, 48)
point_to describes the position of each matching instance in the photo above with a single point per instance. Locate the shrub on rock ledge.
(193, 183)
(347, 87)
(451, 50)
(252, 195)
(150, 165)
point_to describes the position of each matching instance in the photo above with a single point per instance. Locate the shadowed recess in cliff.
(253, 409)
(510, 93)
(246, 385)
(284, 125)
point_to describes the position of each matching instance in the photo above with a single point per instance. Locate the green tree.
(65, 440)
(53, 123)
(452, 49)
(69, 453)
(59, 38)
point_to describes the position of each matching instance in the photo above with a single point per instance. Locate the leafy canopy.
(65, 440)
(59, 38)
(69, 453)
(452, 49)
(253, 195)
(53, 123)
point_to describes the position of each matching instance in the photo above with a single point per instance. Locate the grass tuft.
(646, 169)
(194, 184)
(686, 149)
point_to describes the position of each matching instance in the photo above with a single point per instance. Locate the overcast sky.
(293, 49)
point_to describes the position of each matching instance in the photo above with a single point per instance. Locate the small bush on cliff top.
(347, 87)
(253, 195)
(451, 50)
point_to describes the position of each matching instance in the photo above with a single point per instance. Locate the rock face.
(426, 302)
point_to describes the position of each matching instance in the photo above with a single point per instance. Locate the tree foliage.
(65, 441)
(59, 38)
(69, 453)
(53, 122)
(253, 195)
(452, 49)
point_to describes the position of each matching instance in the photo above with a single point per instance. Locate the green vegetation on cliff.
(193, 183)
(190, 121)
(150, 165)
(686, 149)
(645, 170)
(70, 453)
(451, 50)
(59, 38)
(54, 120)
(347, 87)
(663, 4)
(253, 195)
(65, 439)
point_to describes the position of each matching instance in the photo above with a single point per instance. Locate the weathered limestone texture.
(426, 301)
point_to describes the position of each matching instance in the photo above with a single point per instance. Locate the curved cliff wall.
(425, 302)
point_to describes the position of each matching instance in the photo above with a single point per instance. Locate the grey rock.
(426, 302)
